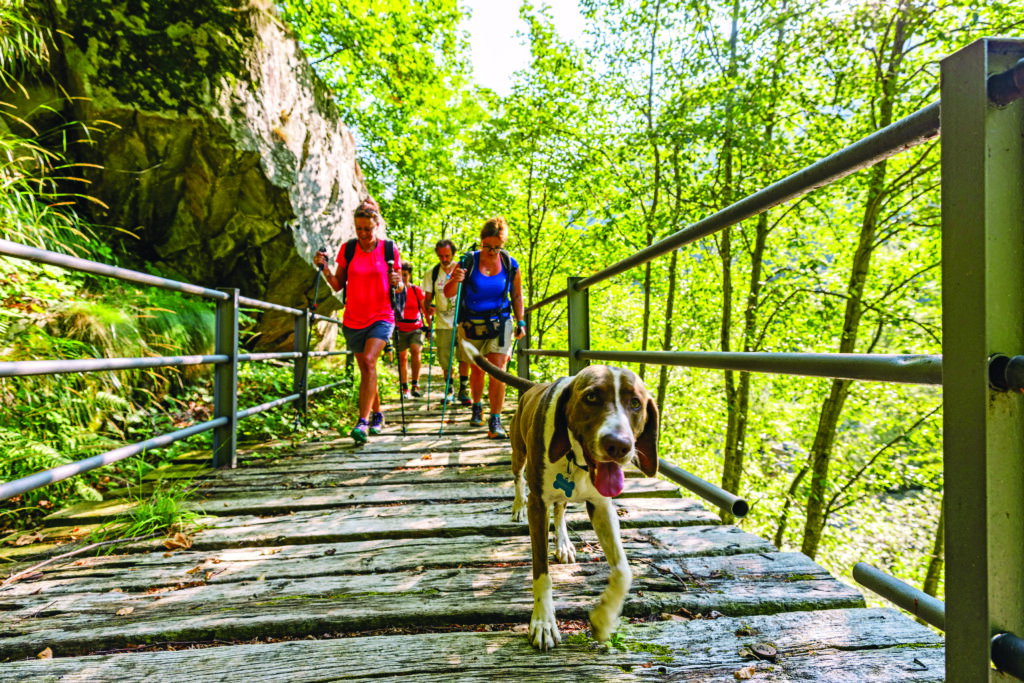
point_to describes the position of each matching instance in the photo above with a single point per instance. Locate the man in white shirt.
(444, 315)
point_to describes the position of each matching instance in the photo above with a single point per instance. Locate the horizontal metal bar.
(24, 368)
(549, 300)
(242, 414)
(901, 594)
(1008, 86)
(1008, 654)
(545, 352)
(246, 302)
(325, 387)
(248, 357)
(326, 319)
(39, 479)
(706, 490)
(82, 265)
(903, 134)
(872, 367)
(324, 354)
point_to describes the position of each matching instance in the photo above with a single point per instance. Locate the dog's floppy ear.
(559, 444)
(647, 442)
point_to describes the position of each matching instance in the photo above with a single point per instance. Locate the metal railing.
(982, 121)
(225, 360)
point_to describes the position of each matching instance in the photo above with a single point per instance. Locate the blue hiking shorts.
(355, 339)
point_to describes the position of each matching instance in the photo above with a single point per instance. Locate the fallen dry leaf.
(45, 654)
(116, 590)
(195, 570)
(745, 674)
(179, 540)
(34, 537)
(125, 611)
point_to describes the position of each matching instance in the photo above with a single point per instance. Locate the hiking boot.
(406, 394)
(448, 399)
(494, 428)
(465, 400)
(358, 432)
(477, 418)
(376, 423)
(415, 390)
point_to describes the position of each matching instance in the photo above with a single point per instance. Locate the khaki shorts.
(443, 344)
(411, 338)
(501, 344)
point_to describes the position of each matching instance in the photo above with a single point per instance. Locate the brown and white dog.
(570, 441)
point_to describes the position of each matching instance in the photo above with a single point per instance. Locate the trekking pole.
(309, 338)
(451, 353)
(430, 350)
(394, 335)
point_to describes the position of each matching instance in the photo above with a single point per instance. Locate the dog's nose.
(616, 446)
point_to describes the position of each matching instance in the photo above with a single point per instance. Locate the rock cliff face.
(220, 148)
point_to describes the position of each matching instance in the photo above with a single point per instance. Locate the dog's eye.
(591, 397)
(634, 403)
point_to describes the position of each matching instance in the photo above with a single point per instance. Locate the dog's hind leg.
(544, 632)
(519, 504)
(564, 549)
(604, 618)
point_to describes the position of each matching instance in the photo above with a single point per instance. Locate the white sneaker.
(406, 394)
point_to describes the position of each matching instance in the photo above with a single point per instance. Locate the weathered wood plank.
(732, 585)
(855, 646)
(272, 503)
(139, 573)
(426, 520)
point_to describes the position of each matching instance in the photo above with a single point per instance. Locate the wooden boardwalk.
(400, 560)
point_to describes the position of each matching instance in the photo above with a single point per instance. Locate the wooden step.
(844, 645)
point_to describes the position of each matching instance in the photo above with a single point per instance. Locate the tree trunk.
(832, 408)
(729, 475)
(667, 342)
(651, 226)
(938, 561)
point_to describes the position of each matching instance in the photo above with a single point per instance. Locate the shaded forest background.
(667, 112)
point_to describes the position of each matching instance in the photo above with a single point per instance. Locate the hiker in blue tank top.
(490, 314)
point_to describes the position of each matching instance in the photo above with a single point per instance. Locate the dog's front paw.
(544, 633)
(519, 511)
(566, 551)
(603, 623)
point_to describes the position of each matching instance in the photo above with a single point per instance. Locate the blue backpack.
(485, 324)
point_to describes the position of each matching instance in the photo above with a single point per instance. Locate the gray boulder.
(220, 149)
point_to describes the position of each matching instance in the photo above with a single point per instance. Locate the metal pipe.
(326, 319)
(25, 368)
(549, 300)
(82, 265)
(248, 412)
(1008, 86)
(246, 302)
(706, 490)
(882, 144)
(877, 367)
(50, 476)
(325, 387)
(545, 352)
(901, 594)
(324, 354)
(1008, 654)
(250, 357)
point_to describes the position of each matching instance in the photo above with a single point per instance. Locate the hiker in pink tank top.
(368, 321)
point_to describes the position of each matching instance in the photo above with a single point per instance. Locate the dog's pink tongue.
(609, 479)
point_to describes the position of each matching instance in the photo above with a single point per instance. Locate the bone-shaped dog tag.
(564, 484)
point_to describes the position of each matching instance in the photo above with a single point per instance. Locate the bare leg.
(402, 356)
(495, 389)
(369, 399)
(416, 350)
(476, 383)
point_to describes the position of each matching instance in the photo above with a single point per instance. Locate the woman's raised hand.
(319, 259)
(457, 275)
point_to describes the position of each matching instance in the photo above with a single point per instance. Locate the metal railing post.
(982, 314)
(579, 325)
(522, 358)
(225, 381)
(300, 381)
